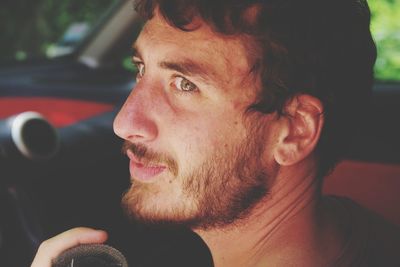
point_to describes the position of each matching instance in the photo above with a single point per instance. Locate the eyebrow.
(186, 66)
(135, 51)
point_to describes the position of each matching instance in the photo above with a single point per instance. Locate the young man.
(240, 109)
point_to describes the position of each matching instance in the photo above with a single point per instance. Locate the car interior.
(60, 109)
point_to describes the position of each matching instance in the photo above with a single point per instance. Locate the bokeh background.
(32, 29)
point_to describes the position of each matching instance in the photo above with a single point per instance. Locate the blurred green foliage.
(29, 27)
(385, 26)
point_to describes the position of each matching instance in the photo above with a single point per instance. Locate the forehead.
(222, 54)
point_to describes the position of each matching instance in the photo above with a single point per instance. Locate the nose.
(134, 122)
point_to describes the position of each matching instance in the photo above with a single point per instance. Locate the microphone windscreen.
(91, 255)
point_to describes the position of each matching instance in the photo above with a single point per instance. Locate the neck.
(284, 228)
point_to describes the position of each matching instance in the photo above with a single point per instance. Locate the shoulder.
(383, 242)
(372, 240)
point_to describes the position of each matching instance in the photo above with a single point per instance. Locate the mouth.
(143, 171)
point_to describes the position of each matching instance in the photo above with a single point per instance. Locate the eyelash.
(141, 71)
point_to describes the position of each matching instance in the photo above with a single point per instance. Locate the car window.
(46, 28)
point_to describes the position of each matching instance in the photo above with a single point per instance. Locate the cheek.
(196, 137)
(205, 135)
(196, 132)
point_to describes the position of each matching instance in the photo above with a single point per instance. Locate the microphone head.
(91, 255)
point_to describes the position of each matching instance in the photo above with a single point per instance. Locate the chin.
(148, 204)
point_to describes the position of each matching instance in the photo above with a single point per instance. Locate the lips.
(143, 171)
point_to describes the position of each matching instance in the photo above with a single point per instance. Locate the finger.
(52, 247)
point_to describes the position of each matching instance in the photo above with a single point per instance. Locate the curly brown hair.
(322, 48)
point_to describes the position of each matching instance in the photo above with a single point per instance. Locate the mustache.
(145, 155)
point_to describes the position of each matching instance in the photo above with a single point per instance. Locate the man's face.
(196, 157)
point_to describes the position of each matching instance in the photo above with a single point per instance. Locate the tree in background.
(385, 25)
(29, 27)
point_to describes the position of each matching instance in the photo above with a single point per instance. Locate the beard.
(219, 192)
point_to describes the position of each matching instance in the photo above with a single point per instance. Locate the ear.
(300, 129)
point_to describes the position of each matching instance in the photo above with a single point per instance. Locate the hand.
(53, 247)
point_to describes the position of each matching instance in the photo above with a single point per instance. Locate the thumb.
(53, 247)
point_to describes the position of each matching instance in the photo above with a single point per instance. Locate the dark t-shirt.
(371, 241)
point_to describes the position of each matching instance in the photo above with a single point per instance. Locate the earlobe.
(300, 129)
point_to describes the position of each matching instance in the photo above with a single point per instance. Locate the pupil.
(186, 85)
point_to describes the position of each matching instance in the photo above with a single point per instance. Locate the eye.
(140, 70)
(184, 85)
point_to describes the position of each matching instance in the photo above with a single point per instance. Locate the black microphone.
(91, 255)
